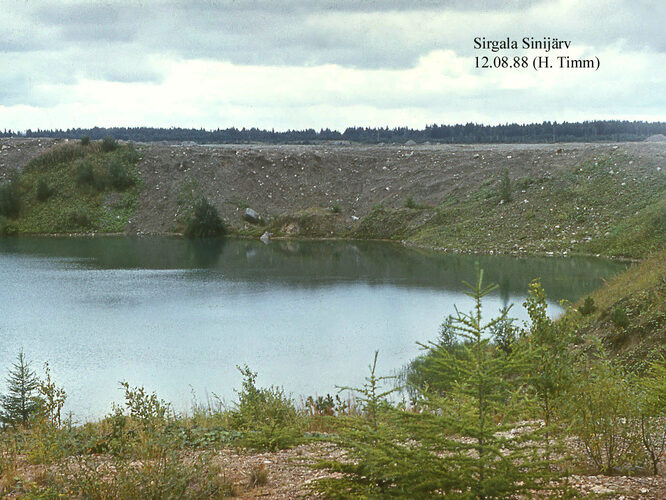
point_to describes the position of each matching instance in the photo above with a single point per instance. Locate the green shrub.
(119, 175)
(79, 219)
(601, 411)
(205, 221)
(588, 306)
(336, 209)
(619, 317)
(410, 203)
(266, 416)
(109, 144)
(10, 198)
(7, 228)
(44, 191)
(85, 140)
(86, 175)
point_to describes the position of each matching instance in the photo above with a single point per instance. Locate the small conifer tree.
(463, 442)
(22, 402)
(505, 187)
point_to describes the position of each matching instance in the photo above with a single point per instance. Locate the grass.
(612, 206)
(78, 188)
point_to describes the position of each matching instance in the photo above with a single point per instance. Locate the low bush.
(87, 175)
(109, 144)
(44, 191)
(619, 317)
(7, 228)
(205, 221)
(85, 140)
(79, 218)
(119, 175)
(410, 203)
(266, 416)
(505, 188)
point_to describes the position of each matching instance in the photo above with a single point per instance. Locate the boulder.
(266, 237)
(251, 216)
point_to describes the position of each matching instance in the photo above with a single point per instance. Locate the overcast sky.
(299, 64)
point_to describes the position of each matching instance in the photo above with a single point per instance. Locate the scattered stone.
(251, 216)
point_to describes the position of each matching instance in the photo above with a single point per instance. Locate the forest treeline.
(588, 131)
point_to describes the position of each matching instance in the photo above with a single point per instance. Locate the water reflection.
(172, 314)
(312, 263)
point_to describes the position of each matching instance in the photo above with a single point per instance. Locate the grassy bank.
(612, 205)
(629, 313)
(72, 188)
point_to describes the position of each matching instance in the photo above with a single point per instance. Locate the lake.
(178, 316)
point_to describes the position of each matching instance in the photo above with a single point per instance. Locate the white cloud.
(296, 64)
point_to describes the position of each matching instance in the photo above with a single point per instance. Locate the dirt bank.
(275, 180)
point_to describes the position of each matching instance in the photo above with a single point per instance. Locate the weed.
(63, 153)
(258, 476)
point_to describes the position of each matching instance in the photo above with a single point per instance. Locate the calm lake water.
(177, 316)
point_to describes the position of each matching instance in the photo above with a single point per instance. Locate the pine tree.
(21, 403)
(464, 442)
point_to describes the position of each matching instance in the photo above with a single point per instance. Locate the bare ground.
(291, 475)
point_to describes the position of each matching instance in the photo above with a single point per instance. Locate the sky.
(295, 64)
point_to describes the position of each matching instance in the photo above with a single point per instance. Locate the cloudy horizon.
(298, 64)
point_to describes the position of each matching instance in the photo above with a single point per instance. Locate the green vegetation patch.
(74, 188)
(630, 313)
(612, 205)
(388, 224)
